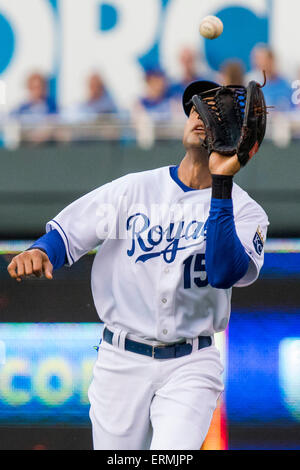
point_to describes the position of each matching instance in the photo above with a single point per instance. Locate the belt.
(159, 352)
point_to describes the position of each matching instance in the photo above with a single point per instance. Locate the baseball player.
(172, 243)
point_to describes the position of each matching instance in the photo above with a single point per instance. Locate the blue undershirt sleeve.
(52, 244)
(226, 259)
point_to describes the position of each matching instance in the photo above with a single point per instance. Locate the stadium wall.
(36, 183)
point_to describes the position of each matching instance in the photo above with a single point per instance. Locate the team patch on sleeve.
(258, 241)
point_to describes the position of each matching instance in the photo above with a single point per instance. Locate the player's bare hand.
(33, 262)
(221, 165)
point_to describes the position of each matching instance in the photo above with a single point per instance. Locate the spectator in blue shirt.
(189, 73)
(156, 101)
(98, 102)
(39, 105)
(231, 73)
(278, 92)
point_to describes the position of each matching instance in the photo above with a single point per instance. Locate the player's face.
(194, 132)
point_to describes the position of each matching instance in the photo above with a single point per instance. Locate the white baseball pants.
(138, 402)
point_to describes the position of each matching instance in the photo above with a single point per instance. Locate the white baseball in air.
(211, 27)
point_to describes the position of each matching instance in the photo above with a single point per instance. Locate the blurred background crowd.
(39, 119)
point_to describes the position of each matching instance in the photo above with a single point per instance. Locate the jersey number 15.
(195, 264)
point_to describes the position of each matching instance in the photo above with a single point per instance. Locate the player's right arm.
(79, 228)
(45, 255)
(32, 262)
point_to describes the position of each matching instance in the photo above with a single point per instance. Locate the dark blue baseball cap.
(195, 88)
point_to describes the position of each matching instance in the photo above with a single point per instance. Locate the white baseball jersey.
(148, 276)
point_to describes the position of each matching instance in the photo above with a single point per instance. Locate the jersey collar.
(174, 175)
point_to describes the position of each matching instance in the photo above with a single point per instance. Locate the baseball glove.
(234, 118)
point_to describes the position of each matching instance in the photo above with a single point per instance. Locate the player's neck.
(193, 171)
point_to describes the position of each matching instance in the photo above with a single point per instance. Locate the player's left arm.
(228, 263)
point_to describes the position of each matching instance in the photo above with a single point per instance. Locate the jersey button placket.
(165, 315)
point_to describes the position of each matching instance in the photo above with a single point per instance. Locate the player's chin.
(193, 141)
